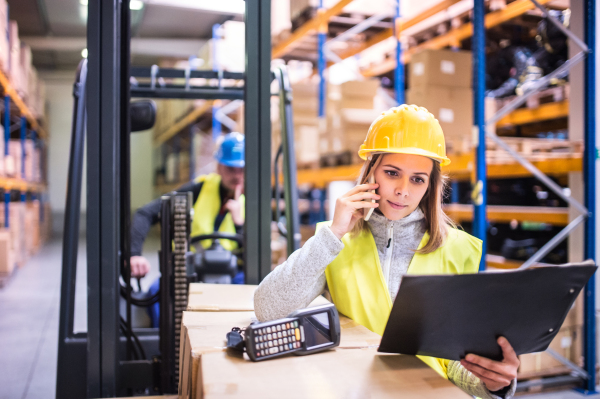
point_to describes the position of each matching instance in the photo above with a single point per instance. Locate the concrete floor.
(29, 309)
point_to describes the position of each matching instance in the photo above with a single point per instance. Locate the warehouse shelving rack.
(474, 166)
(18, 117)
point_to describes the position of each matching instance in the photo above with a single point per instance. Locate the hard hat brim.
(233, 164)
(444, 161)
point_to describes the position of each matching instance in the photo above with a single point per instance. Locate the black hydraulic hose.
(280, 226)
(141, 302)
(142, 352)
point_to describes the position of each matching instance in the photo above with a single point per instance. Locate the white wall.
(59, 97)
(59, 100)
(142, 168)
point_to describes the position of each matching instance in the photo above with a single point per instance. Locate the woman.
(361, 263)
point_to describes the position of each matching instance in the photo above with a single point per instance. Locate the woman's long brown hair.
(437, 222)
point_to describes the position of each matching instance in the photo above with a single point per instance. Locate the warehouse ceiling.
(56, 30)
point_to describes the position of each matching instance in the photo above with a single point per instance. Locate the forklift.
(112, 358)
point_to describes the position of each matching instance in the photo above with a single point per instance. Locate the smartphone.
(369, 212)
(303, 332)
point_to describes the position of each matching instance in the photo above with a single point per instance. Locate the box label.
(418, 68)
(447, 67)
(446, 115)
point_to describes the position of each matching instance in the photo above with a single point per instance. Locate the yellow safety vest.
(358, 288)
(207, 208)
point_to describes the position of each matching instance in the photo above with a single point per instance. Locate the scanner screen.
(316, 330)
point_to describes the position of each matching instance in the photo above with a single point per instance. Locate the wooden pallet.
(549, 95)
(337, 159)
(534, 149)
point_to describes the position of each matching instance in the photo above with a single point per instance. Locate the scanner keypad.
(283, 337)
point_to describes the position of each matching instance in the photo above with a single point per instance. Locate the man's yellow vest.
(358, 288)
(207, 208)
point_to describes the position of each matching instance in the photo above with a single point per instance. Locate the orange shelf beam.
(386, 34)
(8, 183)
(505, 214)
(495, 18)
(309, 27)
(461, 168)
(23, 109)
(542, 113)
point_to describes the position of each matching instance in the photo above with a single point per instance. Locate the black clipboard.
(451, 316)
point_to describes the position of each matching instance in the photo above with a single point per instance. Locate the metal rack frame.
(477, 29)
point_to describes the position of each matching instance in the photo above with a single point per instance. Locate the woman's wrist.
(335, 232)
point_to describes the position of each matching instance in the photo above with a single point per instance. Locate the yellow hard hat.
(407, 129)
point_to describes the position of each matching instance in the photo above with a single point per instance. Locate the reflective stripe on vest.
(207, 208)
(357, 285)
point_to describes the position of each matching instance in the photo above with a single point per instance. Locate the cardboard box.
(451, 106)
(24, 70)
(338, 373)
(440, 68)
(204, 333)
(216, 310)
(14, 56)
(7, 256)
(221, 297)
(4, 32)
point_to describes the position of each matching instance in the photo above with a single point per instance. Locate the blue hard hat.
(231, 151)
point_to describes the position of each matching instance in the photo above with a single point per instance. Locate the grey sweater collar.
(408, 231)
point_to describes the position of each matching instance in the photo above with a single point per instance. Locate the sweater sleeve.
(148, 215)
(465, 380)
(299, 280)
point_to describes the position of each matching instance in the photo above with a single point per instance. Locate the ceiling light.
(84, 53)
(135, 5)
(83, 2)
(222, 6)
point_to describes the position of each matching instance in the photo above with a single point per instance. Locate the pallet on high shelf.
(336, 159)
(533, 149)
(552, 94)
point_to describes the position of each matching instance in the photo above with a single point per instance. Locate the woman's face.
(403, 180)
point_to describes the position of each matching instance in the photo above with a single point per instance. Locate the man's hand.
(139, 266)
(234, 206)
(495, 375)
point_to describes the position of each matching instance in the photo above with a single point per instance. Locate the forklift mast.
(111, 358)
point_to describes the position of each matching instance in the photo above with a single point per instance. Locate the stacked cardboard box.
(440, 80)
(350, 111)
(14, 71)
(354, 369)
(4, 32)
(13, 161)
(226, 53)
(7, 257)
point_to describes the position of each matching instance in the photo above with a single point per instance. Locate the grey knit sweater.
(300, 279)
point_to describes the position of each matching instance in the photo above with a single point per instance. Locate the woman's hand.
(495, 375)
(351, 206)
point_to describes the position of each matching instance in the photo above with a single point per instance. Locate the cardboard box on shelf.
(16, 214)
(440, 68)
(7, 256)
(4, 32)
(24, 70)
(14, 60)
(451, 106)
(13, 161)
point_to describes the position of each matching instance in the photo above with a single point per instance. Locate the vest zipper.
(387, 264)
